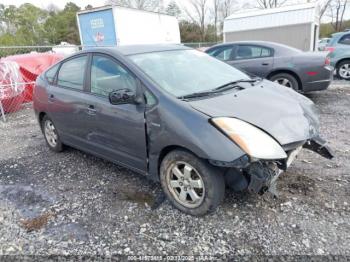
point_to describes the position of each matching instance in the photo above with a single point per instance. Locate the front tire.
(343, 70)
(191, 184)
(51, 135)
(286, 80)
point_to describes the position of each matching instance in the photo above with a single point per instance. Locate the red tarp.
(16, 71)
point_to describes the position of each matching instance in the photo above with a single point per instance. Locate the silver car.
(287, 66)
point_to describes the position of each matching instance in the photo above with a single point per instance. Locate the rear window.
(251, 51)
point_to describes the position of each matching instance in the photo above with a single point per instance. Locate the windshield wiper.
(195, 95)
(233, 83)
(224, 87)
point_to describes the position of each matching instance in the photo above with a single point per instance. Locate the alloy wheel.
(50, 133)
(284, 82)
(185, 184)
(344, 71)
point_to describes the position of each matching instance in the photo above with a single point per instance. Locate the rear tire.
(343, 70)
(191, 184)
(50, 133)
(286, 80)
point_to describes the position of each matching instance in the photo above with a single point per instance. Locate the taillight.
(312, 73)
(330, 49)
(327, 61)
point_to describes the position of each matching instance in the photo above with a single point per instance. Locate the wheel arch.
(166, 150)
(286, 71)
(342, 60)
(41, 116)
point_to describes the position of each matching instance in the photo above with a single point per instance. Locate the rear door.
(117, 131)
(67, 101)
(254, 59)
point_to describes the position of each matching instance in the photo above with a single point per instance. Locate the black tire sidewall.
(292, 79)
(212, 178)
(59, 145)
(340, 65)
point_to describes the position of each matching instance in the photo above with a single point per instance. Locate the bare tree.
(150, 5)
(226, 7)
(336, 11)
(324, 8)
(198, 14)
(270, 3)
(216, 7)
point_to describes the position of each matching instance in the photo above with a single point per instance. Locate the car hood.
(283, 113)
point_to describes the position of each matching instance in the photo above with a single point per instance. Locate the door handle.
(265, 64)
(91, 110)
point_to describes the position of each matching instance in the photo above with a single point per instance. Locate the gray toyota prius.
(177, 116)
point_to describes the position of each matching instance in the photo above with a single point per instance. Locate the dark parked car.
(177, 116)
(302, 71)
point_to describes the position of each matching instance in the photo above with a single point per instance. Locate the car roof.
(255, 42)
(340, 34)
(276, 46)
(139, 49)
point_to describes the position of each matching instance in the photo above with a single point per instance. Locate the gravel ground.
(74, 203)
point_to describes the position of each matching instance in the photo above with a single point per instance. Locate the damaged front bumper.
(318, 145)
(261, 176)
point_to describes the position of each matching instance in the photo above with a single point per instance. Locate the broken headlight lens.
(250, 139)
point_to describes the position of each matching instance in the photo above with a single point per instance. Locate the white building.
(296, 26)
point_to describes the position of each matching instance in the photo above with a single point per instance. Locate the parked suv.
(339, 49)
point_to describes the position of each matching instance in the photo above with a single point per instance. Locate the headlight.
(250, 139)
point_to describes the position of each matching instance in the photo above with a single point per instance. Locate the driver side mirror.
(124, 96)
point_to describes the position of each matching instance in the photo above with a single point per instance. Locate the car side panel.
(312, 72)
(171, 124)
(256, 66)
(40, 96)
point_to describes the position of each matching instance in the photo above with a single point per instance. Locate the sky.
(97, 3)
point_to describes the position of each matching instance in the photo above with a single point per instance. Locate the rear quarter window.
(51, 74)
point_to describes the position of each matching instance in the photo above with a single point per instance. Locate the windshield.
(184, 72)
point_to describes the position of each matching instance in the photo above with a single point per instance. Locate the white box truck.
(117, 26)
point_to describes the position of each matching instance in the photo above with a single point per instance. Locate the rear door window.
(345, 40)
(72, 73)
(251, 51)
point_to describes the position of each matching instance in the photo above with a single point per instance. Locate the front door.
(118, 131)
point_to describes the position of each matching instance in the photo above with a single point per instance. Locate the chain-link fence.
(19, 68)
(15, 89)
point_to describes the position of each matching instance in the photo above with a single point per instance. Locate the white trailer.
(296, 26)
(117, 26)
